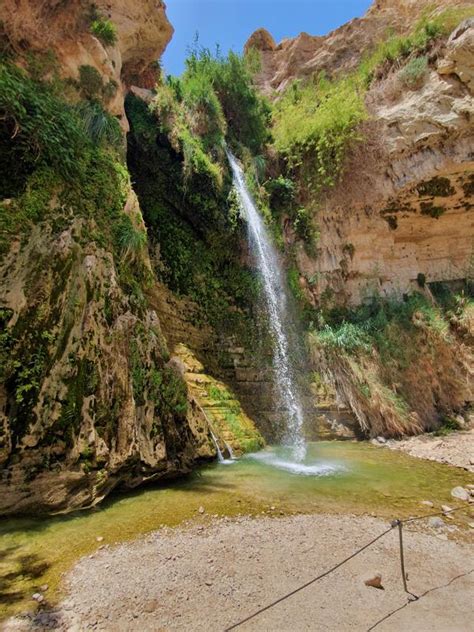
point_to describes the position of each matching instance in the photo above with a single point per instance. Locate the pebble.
(460, 493)
(37, 597)
(446, 508)
(436, 522)
(201, 510)
(428, 503)
(374, 580)
(99, 538)
(471, 525)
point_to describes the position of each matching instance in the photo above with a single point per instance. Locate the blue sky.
(230, 22)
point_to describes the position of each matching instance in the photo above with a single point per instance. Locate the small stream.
(334, 477)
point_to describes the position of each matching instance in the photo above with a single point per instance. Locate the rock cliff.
(400, 219)
(91, 397)
(341, 50)
(142, 32)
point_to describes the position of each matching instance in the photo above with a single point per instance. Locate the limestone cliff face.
(340, 50)
(142, 30)
(401, 218)
(403, 210)
(92, 398)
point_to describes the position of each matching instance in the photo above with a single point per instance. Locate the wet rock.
(374, 580)
(436, 523)
(460, 493)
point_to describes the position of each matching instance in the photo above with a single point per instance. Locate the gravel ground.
(456, 448)
(214, 572)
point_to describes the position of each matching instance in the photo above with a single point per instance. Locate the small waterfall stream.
(276, 301)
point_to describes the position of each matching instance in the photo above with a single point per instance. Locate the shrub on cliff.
(213, 101)
(314, 123)
(36, 125)
(105, 30)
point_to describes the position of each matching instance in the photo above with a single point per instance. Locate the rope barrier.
(311, 581)
(394, 524)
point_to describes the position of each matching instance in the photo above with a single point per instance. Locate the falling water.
(220, 456)
(276, 301)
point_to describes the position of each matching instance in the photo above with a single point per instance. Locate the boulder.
(460, 493)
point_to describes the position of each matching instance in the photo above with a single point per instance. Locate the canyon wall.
(91, 397)
(400, 219)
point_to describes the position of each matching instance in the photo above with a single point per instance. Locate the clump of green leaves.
(99, 125)
(213, 101)
(413, 73)
(315, 122)
(131, 240)
(42, 129)
(105, 30)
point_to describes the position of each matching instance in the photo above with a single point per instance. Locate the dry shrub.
(392, 399)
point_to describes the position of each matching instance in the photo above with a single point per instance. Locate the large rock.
(459, 54)
(143, 31)
(460, 493)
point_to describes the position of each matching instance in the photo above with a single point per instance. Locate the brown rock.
(374, 580)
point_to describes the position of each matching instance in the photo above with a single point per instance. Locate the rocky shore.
(456, 448)
(214, 572)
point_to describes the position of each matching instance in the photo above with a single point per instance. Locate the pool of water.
(335, 477)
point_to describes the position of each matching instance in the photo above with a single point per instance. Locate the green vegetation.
(105, 30)
(315, 122)
(99, 125)
(381, 325)
(428, 208)
(63, 162)
(213, 101)
(383, 351)
(130, 239)
(90, 81)
(395, 49)
(37, 128)
(413, 73)
(448, 425)
(194, 224)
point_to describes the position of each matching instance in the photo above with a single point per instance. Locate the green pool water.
(336, 477)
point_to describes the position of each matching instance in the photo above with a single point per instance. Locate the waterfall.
(276, 300)
(229, 450)
(220, 456)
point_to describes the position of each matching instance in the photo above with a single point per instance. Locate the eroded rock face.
(403, 210)
(98, 420)
(400, 219)
(143, 31)
(339, 51)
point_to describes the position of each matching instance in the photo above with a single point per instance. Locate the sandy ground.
(456, 448)
(209, 575)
